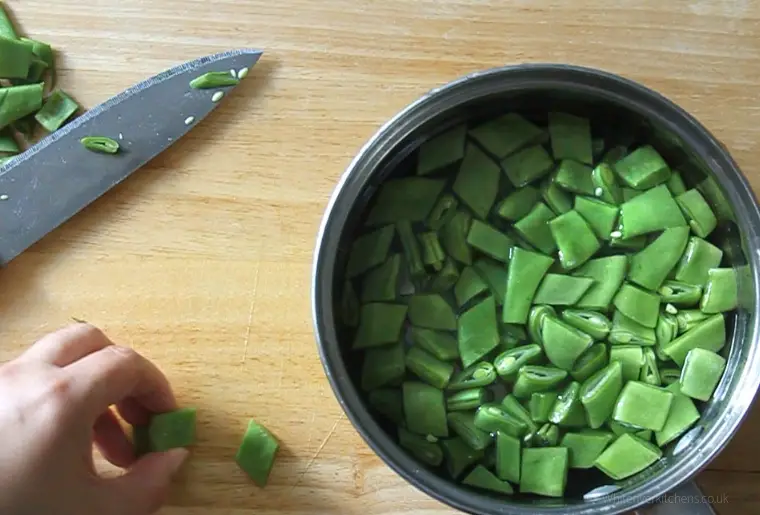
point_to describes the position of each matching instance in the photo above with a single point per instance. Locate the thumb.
(143, 489)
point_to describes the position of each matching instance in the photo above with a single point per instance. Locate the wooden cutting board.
(201, 261)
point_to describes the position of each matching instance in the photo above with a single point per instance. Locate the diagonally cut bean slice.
(441, 150)
(525, 273)
(506, 134)
(477, 182)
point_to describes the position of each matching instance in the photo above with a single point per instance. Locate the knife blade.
(56, 178)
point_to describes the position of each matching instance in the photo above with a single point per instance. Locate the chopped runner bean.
(381, 283)
(701, 373)
(586, 446)
(441, 150)
(527, 165)
(720, 291)
(592, 323)
(509, 362)
(419, 447)
(429, 368)
(653, 210)
(479, 374)
(561, 290)
(482, 478)
(469, 286)
(100, 144)
(574, 238)
(591, 361)
(488, 240)
(682, 416)
(574, 177)
(534, 228)
(555, 197)
(454, 237)
(408, 198)
(431, 311)
(526, 270)
(563, 343)
(519, 203)
(379, 324)
(459, 456)
(626, 456)
(369, 251)
(443, 211)
(383, 366)
(651, 265)
(600, 216)
(544, 471)
(257, 453)
(467, 400)
(210, 80)
(697, 211)
(478, 332)
(58, 108)
(477, 183)
(506, 134)
(424, 409)
(172, 429)
(643, 168)
(440, 344)
(643, 405)
(571, 137)
(697, 260)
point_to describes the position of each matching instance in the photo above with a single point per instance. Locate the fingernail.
(176, 458)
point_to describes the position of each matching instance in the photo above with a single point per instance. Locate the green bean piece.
(630, 193)
(8, 143)
(173, 429)
(643, 405)
(443, 211)
(709, 335)
(636, 243)
(525, 273)
(600, 216)
(650, 266)
(590, 362)
(638, 305)
(477, 182)
(620, 429)
(535, 230)
(574, 238)
(668, 376)
(58, 108)
(571, 137)
(411, 248)
(555, 197)
(467, 400)
(103, 145)
(614, 155)
(424, 409)
(469, 286)
(478, 332)
(608, 274)
(511, 335)
(544, 471)
(429, 368)
(563, 343)
(15, 58)
(626, 456)
(631, 358)
(517, 410)
(257, 453)
(527, 165)
(463, 425)
(547, 436)
(680, 294)
(561, 290)
(532, 379)
(676, 184)
(430, 310)
(508, 363)
(441, 150)
(627, 331)
(518, 203)
(605, 185)
(568, 410)
(541, 405)
(493, 417)
(599, 393)
(586, 446)
(429, 453)
(697, 211)
(720, 292)
(688, 319)
(489, 241)
(459, 456)
(574, 177)
(389, 402)
(650, 372)
(716, 198)
(495, 276)
(16, 102)
(475, 376)
(440, 344)
(683, 415)
(653, 210)
(446, 277)
(506, 134)
(383, 366)
(536, 321)
(643, 168)
(454, 237)
(508, 457)
(210, 80)
(141, 441)
(369, 251)
(6, 25)
(381, 283)
(482, 478)
(349, 305)
(408, 198)
(432, 253)
(701, 373)
(379, 324)
(592, 323)
(597, 146)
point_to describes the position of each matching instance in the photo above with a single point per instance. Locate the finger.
(114, 374)
(111, 441)
(143, 489)
(68, 345)
(134, 413)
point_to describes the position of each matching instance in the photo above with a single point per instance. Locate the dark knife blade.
(56, 178)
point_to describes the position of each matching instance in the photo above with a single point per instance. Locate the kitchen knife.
(56, 178)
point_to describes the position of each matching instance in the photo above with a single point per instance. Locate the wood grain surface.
(201, 261)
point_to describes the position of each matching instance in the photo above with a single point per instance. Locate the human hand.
(55, 402)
